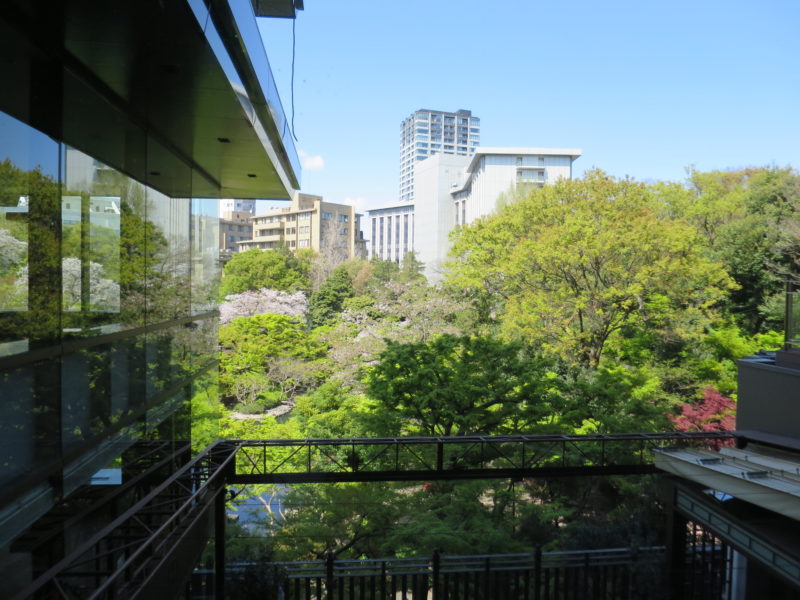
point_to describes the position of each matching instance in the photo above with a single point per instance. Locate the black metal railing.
(152, 537)
(708, 569)
(116, 561)
(610, 574)
(470, 457)
(145, 462)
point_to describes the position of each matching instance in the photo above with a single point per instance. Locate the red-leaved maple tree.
(714, 412)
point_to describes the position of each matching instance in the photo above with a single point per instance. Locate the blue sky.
(644, 88)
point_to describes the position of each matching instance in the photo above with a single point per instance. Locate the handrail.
(194, 469)
(134, 541)
(296, 569)
(465, 457)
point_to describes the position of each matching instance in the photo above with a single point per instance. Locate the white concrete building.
(493, 171)
(433, 209)
(430, 132)
(391, 231)
(453, 190)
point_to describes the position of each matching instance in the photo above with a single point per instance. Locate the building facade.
(109, 193)
(430, 132)
(744, 497)
(434, 213)
(330, 229)
(240, 205)
(456, 190)
(234, 227)
(494, 171)
(391, 231)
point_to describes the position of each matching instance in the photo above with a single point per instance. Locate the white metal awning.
(766, 480)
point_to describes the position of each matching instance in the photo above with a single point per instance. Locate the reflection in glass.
(168, 268)
(17, 422)
(28, 179)
(205, 254)
(91, 217)
(90, 253)
(99, 271)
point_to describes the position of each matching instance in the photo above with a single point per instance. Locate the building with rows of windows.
(234, 227)
(240, 205)
(328, 228)
(494, 171)
(430, 132)
(391, 230)
(453, 190)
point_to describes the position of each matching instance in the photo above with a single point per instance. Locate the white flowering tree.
(104, 292)
(264, 301)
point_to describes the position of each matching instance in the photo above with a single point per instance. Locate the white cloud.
(311, 163)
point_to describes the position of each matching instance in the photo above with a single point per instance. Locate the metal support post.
(436, 567)
(676, 546)
(329, 582)
(219, 544)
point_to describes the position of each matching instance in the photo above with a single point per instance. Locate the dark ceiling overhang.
(277, 8)
(185, 83)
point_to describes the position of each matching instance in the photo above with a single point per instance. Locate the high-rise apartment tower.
(429, 132)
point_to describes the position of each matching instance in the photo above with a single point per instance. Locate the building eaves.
(573, 153)
(190, 82)
(390, 207)
(286, 9)
(762, 479)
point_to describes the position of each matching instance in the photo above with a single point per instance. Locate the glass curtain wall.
(107, 328)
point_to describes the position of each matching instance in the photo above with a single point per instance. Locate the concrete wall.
(768, 398)
(433, 209)
(495, 174)
(378, 223)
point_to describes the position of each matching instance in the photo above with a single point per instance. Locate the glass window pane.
(204, 254)
(28, 180)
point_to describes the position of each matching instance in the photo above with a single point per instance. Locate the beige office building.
(310, 222)
(234, 227)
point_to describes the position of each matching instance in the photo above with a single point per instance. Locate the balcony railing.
(616, 573)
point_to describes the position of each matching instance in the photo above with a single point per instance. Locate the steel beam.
(434, 475)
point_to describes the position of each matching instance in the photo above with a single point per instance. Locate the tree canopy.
(574, 264)
(271, 269)
(590, 306)
(459, 385)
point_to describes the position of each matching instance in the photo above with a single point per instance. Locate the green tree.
(411, 269)
(349, 520)
(460, 385)
(268, 357)
(466, 517)
(574, 264)
(327, 302)
(334, 410)
(272, 269)
(746, 220)
(384, 270)
(710, 200)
